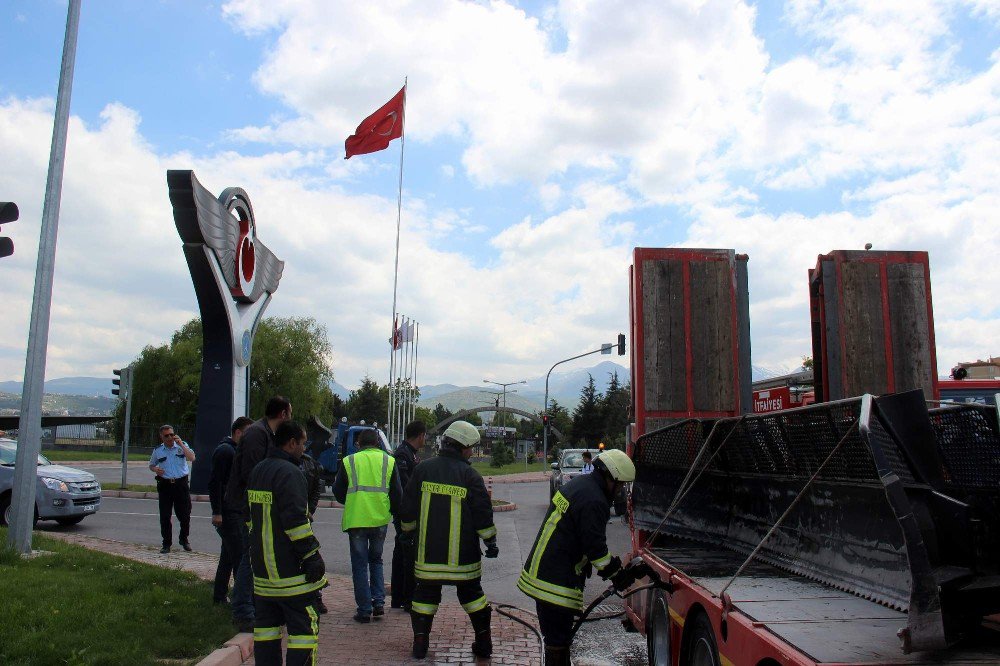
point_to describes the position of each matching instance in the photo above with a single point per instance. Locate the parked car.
(570, 465)
(63, 494)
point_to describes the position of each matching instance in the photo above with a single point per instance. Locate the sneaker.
(164, 550)
(378, 611)
(243, 625)
(363, 619)
(186, 546)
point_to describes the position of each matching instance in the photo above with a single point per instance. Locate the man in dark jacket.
(573, 538)
(402, 560)
(287, 566)
(257, 440)
(227, 522)
(446, 511)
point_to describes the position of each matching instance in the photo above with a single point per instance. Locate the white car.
(63, 494)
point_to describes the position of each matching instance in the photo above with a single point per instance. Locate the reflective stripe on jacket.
(369, 472)
(281, 535)
(571, 537)
(447, 503)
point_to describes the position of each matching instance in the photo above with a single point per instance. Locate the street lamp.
(603, 349)
(504, 385)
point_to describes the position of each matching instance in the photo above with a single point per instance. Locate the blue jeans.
(241, 598)
(366, 566)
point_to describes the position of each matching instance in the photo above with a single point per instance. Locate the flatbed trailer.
(889, 555)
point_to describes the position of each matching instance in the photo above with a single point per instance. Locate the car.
(570, 465)
(63, 494)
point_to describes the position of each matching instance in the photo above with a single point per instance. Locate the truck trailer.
(862, 530)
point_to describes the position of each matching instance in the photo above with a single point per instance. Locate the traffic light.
(621, 344)
(545, 420)
(8, 213)
(117, 382)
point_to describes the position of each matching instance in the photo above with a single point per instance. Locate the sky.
(543, 142)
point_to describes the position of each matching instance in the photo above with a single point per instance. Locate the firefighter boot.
(557, 655)
(421, 633)
(483, 647)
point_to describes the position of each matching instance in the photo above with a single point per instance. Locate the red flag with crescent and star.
(377, 130)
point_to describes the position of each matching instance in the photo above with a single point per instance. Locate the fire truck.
(862, 529)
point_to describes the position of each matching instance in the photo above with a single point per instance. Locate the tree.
(426, 416)
(588, 424)
(502, 454)
(615, 407)
(440, 413)
(559, 418)
(807, 362)
(369, 402)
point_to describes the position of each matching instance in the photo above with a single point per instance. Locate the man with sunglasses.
(171, 462)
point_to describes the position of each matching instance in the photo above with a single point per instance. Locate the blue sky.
(544, 141)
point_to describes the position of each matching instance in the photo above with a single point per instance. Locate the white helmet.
(464, 433)
(619, 465)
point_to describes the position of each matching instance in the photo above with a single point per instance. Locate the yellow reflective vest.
(370, 477)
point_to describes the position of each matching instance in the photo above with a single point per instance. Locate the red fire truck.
(859, 530)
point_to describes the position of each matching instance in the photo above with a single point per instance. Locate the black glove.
(492, 550)
(313, 567)
(408, 539)
(614, 566)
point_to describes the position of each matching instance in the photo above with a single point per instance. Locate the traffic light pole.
(603, 349)
(128, 424)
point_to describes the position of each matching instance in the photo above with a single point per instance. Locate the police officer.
(572, 539)
(284, 553)
(170, 461)
(446, 511)
(402, 560)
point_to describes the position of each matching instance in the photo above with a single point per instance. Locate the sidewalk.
(345, 642)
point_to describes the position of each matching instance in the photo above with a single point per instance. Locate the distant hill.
(68, 386)
(56, 404)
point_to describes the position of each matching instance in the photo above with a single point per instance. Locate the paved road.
(136, 521)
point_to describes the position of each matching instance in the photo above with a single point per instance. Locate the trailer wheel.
(658, 635)
(701, 648)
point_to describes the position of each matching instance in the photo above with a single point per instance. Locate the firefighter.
(446, 511)
(284, 553)
(570, 541)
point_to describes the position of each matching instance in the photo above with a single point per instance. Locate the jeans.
(366, 566)
(241, 598)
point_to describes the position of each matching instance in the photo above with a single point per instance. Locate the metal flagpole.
(409, 385)
(405, 381)
(392, 369)
(416, 356)
(399, 216)
(30, 424)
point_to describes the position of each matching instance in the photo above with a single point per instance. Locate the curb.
(502, 508)
(135, 494)
(234, 652)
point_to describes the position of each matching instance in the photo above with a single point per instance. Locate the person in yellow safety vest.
(367, 484)
(446, 511)
(284, 553)
(570, 541)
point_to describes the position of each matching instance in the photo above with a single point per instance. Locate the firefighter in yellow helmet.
(446, 511)
(570, 541)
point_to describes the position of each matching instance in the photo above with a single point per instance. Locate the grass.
(61, 456)
(484, 468)
(82, 608)
(137, 487)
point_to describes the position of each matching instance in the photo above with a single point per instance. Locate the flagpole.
(409, 386)
(416, 353)
(399, 215)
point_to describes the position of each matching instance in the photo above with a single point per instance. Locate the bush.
(531, 457)
(502, 455)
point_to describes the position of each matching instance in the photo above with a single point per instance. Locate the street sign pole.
(29, 438)
(128, 422)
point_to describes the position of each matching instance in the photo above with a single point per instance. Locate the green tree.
(807, 362)
(291, 358)
(615, 406)
(440, 413)
(426, 416)
(369, 402)
(588, 424)
(560, 419)
(502, 455)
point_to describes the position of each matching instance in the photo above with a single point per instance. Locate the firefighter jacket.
(571, 538)
(446, 503)
(368, 486)
(281, 536)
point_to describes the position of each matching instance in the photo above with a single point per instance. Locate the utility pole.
(30, 424)
(124, 384)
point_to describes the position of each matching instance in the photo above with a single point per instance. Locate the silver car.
(63, 494)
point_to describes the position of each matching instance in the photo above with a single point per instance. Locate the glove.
(407, 539)
(313, 567)
(492, 550)
(614, 566)
(623, 579)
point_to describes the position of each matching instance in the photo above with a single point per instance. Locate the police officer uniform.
(447, 508)
(173, 492)
(284, 554)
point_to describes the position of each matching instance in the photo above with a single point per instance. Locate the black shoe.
(363, 619)
(164, 550)
(186, 546)
(483, 646)
(243, 625)
(421, 633)
(378, 611)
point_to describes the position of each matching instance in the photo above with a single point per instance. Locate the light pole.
(504, 385)
(603, 349)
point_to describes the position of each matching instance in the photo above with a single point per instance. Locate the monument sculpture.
(234, 276)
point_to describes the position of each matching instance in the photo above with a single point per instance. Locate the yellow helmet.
(619, 465)
(463, 432)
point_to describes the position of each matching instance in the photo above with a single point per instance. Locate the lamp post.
(504, 385)
(603, 349)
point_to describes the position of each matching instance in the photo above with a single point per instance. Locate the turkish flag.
(377, 130)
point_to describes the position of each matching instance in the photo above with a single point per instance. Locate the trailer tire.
(658, 632)
(700, 646)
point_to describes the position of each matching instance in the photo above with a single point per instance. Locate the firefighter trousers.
(427, 596)
(302, 621)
